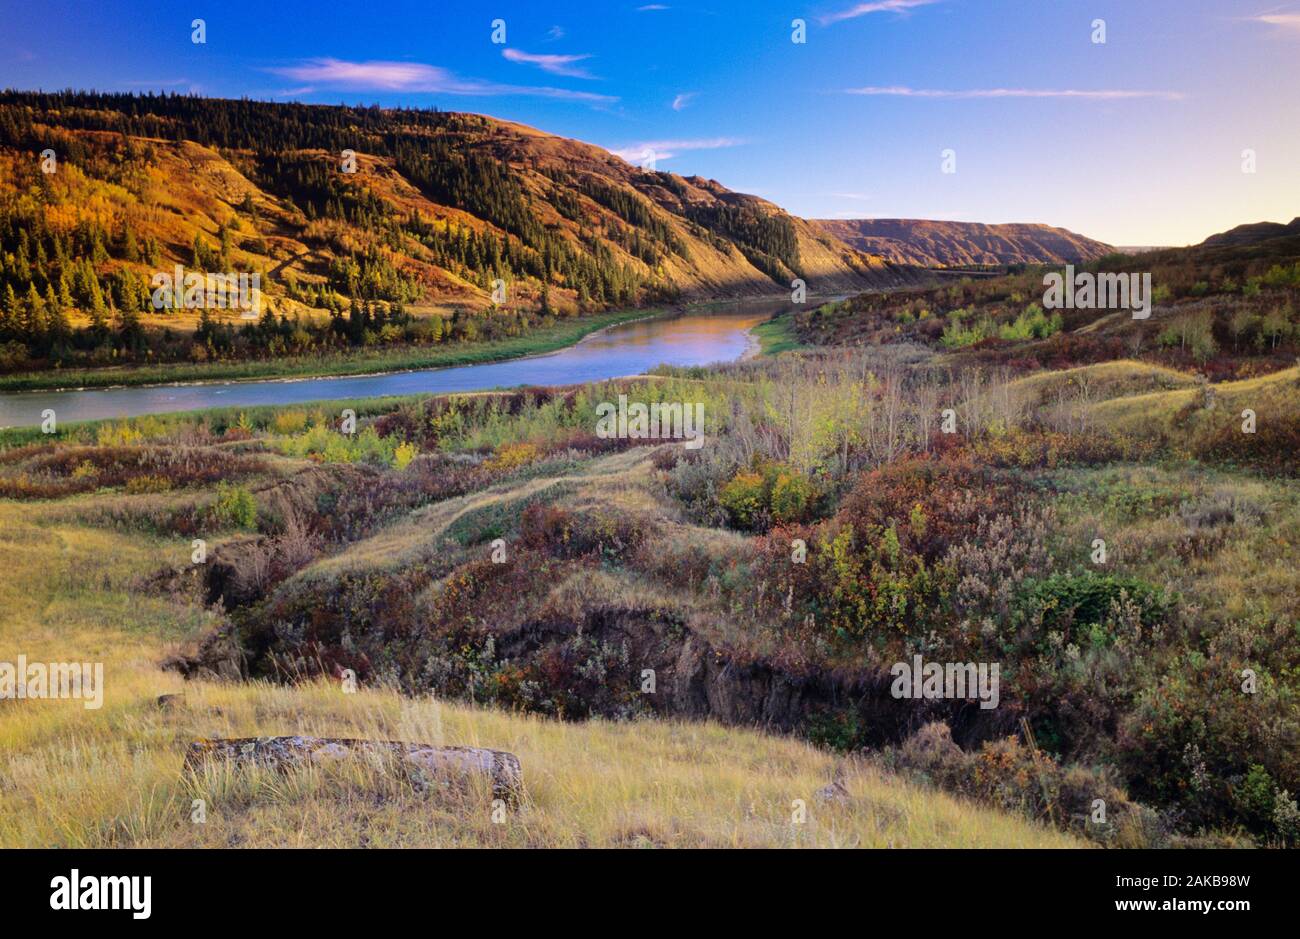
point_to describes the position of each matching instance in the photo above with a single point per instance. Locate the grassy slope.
(1253, 568)
(111, 777)
(1104, 380)
(1276, 394)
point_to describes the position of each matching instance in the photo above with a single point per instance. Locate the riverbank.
(341, 365)
(777, 336)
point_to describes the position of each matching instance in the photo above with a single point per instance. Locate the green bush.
(1081, 604)
(1256, 797)
(235, 506)
(1032, 324)
(743, 498)
(792, 497)
(754, 499)
(957, 336)
(322, 443)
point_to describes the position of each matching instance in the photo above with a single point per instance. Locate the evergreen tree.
(33, 323)
(56, 316)
(10, 317)
(130, 250)
(65, 289)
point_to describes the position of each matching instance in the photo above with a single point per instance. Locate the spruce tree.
(9, 315)
(56, 315)
(33, 325)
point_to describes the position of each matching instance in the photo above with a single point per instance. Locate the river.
(628, 349)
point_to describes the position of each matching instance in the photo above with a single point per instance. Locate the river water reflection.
(629, 349)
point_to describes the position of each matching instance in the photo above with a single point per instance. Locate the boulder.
(833, 793)
(423, 763)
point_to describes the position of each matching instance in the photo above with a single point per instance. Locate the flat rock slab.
(423, 762)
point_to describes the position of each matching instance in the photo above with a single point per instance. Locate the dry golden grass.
(620, 477)
(1102, 381)
(112, 777)
(1277, 393)
(1252, 569)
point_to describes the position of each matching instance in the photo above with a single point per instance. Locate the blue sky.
(1135, 141)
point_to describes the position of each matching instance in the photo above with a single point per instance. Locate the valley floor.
(1126, 557)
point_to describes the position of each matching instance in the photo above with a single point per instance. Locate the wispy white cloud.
(1284, 20)
(651, 8)
(682, 100)
(555, 64)
(880, 6)
(901, 91)
(667, 149)
(554, 33)
(415, 77)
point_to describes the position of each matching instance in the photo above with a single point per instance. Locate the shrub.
(753, 499)
(1256, 797)
(148, 483)
(54, 472)
(1020, 778)
(325, 445)
(792, 497)
(1072, 603)
(110, 434)
(879, 570)
(1031, 324)
(1286, 819)
(404, 454)
(1272, 449)
(374, 449)
(947, 496)
(235, 506)
(1030, 449)
(743, 499)
(696, 480)
(1191, 739)
(513, 455)
(564, 534)
(289, 422)
(958, 336)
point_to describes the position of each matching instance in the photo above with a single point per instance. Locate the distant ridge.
(928, 243)
(1252, 233)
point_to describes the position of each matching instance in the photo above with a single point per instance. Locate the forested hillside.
(358, 220)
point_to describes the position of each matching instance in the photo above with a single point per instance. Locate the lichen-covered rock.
(833, 793)
(423, 763)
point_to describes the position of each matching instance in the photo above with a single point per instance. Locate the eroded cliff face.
(928, 243)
